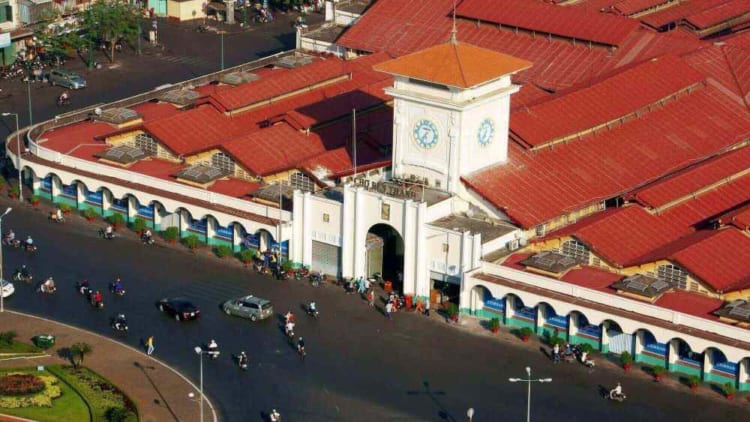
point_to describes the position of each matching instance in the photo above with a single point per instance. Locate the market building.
(582, 173)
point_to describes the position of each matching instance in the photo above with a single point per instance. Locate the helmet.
(300, 339)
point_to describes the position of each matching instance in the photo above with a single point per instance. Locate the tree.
(80, 350)
(111, 21)
(59, 40)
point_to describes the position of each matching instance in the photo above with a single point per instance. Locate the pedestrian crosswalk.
(188, 60)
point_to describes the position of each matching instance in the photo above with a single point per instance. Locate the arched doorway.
(384, 247)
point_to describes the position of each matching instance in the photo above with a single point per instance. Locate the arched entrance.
(384, 247)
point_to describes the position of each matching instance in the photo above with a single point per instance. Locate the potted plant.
(116, 220)
(729, 390)
(452, 311)
(65, 208)
(139, 225)
(191, 242)
(495, 325)
(89, 214)
(658, 372)
(34, 200)
(246, 256)
(525, 334)
(13, 192)
(222, 251)
(585, 347)
(171, 234)
(694, 381)
(626, 359)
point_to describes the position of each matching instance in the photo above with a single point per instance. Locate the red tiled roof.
(690, 303)
(192, 131)
(629, 7)
(727, 65)
(536, 186)
(722, 261)
(66, 138)
(157, 168)
(276, 84)
(340, 161)
(679, 11)
(513, 260)
(739, 39)
(527, 95)
(719, 14)
(274, 149)
(533, 15)
(693, 179)
(739, 217)
(234, 187)
(152, 110)
(602, 101)
(592, 278)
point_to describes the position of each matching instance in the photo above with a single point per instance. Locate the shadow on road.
(433, 396)
(161, 398)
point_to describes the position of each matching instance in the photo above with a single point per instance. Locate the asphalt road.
(359, 367)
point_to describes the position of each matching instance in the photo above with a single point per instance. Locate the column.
(307, 229)
(360, 232)
(297, 240)
(707, 366)
(36, 183)
(347, 232)
(410, 247)
(157, 217)
(80, 195)
(132, 209)
(466, 251)
(637, 346)
(673, 353)
(538, 321)
(422, 281)
(236, 235)
(230, 10)
(572, 326)
(507, 311)
(55, 187)
(211, 223)
(329, 11)
(106, 202)
(182, 221)
(604, 338)
(476, 250)
(742, 375)
(298, 38)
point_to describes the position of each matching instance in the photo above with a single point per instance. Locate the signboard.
(5, 40)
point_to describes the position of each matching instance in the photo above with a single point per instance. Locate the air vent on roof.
(238, 78)
(122, 154)
(180, 97)
(291, 62)
(117, 115)
(201, 173)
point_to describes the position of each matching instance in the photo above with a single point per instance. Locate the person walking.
(388, 310)
(150, 345)
(426, 308)
(371, 297)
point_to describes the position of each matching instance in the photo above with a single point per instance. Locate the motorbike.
(289, 331)
(104, 235)
(617, 397)
(120, 292)
(83, 289)
(29, 248)
(94, 303)
(213, 352)
(261, 269)
(315, 278)
(62, 101)
(312, 312)
(242, 361)
(120, 324)
(301, 273)
(21, 276)
(147, 240)
(53, 217)
(47, 287)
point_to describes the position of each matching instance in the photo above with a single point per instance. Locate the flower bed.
(26, 390)
(100, 394)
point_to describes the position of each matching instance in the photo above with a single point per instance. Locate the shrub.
(171, 233)
(729, 388)
(20, 384)
(494, 324)
(89, 213)
(555, 340)
(246, 255)
(139, 224)
(13, 191)
(7, 337)
(286, 265)
(64, 207)
(50, 390)
(694, 380)
(117, 414)
(101, 394)
(2, 181)
(34, 198)
(658, 370)
(223, 251)
(525, 332)
(626, 358)
(585, 347)
(452, 310)
(80, 350)
(116, 219)
(191, 242)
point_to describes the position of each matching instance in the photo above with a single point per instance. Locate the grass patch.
(68, 407)
(100, 394)
(18, 347)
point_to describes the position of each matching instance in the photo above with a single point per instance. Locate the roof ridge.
(454, 46)
(730, 66)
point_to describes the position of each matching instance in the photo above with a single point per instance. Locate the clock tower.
(451, 111)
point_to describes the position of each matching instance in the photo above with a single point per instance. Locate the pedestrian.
(556, 353)
(388, 310)
(419, 307)
(427, 308)
(367, 284)
(371, 297)
(150, 345)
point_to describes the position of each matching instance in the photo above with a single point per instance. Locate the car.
(67, 79)
(249, 306)
(180, 308)
(8, 288)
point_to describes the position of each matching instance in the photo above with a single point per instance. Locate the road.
(360, 367)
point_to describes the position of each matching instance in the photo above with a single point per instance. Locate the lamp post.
(222, 50)
(28, 92)
(2, 302)
(201, 352)
(470, 414)
(18, 161)
(529, 380)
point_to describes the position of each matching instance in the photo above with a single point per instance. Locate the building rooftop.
(488, 229)
(456, 64)
(551, 262)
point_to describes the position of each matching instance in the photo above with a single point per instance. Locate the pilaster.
(422, 288)
(347, 231)
(298, 240)
(360, 233)
(307, 229)
(410, 247)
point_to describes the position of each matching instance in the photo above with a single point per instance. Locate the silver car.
(250, 307)
(67, 79)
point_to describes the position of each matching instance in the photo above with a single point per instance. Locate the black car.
(179, 307)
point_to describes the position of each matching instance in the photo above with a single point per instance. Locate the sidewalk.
(160, 392)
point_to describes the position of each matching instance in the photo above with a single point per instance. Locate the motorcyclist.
(29, 242)
(616, 392)
(97, 298)
(275, 416)
(147, 236)
(242, 360)
(289, 317)
(312, 308)
(213, 349)
(108, 232)
(84, 287)
(63, 98)
(117, 287)
(10, 237)
(59, 215)
(49, 285)
(120, 322)
(289, 328)
(301, 345)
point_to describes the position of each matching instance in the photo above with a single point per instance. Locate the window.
(223, 162)
(541, 230)
(673, 274)
(437, 183)
(326, 218)
(385, 211)
(576, 250)
(6, 13)
(146, 143)
(302, 182)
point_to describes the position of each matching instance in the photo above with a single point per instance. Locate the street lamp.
(470, 414)
(529, 380)
(201, 352)
(2, 302)
(18, 161)
(222, 50)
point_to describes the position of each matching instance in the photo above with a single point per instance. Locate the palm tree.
(80, 350)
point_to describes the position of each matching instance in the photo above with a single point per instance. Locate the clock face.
(486, 132)
(425, 133)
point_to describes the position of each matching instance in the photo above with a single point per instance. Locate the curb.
(176, 372)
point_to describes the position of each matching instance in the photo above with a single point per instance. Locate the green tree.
(111, 21)
(80, 350)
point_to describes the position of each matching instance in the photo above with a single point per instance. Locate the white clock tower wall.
(484, 138)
